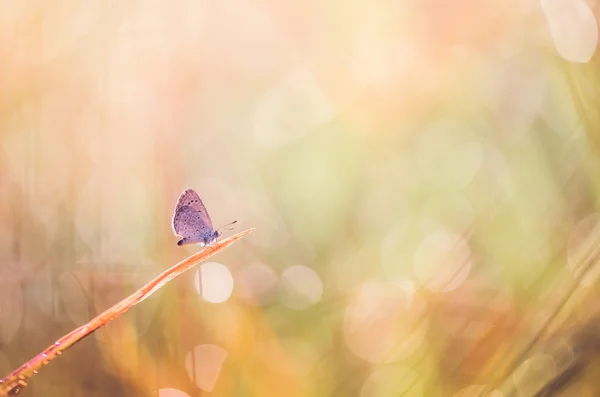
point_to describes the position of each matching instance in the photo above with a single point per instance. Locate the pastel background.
(423, 177)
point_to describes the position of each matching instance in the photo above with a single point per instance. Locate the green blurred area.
(422, 177)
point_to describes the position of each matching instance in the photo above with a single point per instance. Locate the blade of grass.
(15, 382)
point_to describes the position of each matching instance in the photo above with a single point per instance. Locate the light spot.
(466, 161)
(203, 365)
(533, 374)
(442, 261)
(301, 287)
(493, 186)
(170, 392)
(477, 391)
(291, 109)
(214, 282)
(384, 322)
(451, 210)
(518, 89)
(393, 381)
(583, 246)
(561, 114)
(447, 155)
(573, 28)
(398, 247)
(256, 283)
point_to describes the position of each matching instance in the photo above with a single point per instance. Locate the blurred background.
(423, 177)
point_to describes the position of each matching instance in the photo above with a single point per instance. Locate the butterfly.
(191, 221)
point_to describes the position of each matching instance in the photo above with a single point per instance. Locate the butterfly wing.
(189, 198)
(188, 223)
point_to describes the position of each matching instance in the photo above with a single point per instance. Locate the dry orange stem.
(15, 382)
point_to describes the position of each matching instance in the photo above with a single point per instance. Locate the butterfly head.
(217, 233)
(211, 238)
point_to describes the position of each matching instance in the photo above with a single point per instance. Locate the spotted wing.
(188, 223)
(191, 199)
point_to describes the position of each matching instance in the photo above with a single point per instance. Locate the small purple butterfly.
(191, 221)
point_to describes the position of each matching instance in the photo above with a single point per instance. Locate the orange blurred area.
(422, 177)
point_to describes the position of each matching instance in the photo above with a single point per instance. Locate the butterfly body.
(191, 220)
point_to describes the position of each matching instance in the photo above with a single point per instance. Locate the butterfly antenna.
(228, 226)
